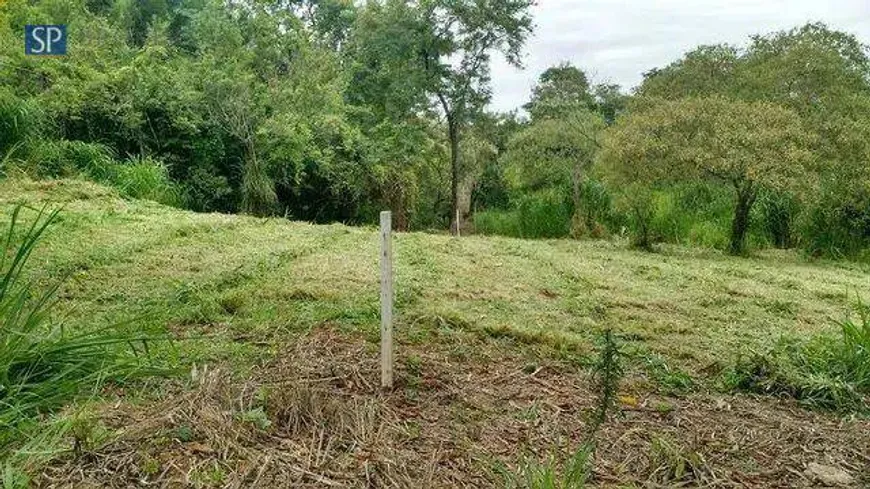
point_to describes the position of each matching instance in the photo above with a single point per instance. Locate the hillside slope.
(493, 335)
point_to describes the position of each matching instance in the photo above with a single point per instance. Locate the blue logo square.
(45, 39)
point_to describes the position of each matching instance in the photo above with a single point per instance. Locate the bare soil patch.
(316, 418)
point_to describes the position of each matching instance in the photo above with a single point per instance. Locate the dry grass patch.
(315, 417)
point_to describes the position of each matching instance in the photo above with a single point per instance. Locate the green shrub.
(496, 222)
(258, 189)
(596, 209)
(42, 365)
(145, 178)
(207, 191)
(778, 213)
(828, 371)
(62, 158)
(544, 214)
(838, 226)
(696, 214)
(18, 123)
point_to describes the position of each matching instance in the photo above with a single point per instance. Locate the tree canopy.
(745, 145)
(331, 110)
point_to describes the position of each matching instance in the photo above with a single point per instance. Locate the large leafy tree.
(560, 90)
(458, 40)
(745, 145)
(440, 51)
(564, 89)
(821, 74)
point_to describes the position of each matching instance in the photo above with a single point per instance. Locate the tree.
(557, 151)
(824, 76)
(560, 90)
(610, 101)
(746, 145)
(565, 89)
(704, 71)
(443, 49)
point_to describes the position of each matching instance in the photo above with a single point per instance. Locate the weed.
(573, 474)
(827, 371)
(88, 434)
(672, 464)
(670, 380)
(150, 467)
(256, 417)
(41, 364)
(145, 178)
(184, 433)
(607, 373)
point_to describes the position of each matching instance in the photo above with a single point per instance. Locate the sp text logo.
(45, 40)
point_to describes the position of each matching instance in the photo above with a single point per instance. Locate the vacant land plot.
(275, 324)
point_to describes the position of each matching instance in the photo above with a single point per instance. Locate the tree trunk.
(453, 135)
(745, 200)
(578, 224)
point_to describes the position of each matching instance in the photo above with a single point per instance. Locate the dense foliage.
(331, 110)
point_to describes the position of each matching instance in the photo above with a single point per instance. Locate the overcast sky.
(616, 41)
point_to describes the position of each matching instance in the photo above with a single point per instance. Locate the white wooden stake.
(457, 222)
(386, 301)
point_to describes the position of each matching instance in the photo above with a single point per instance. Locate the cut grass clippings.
(496, 338)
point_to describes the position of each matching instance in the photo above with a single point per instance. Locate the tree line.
(331, 110)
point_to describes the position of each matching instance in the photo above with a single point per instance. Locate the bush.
(17, 124)
(145, 178)
(543, 214)
(829, 371)
(60, 159)
(695, 214)
(207, 191)
(41, 364)
(838, 226)
(494, 222)
(596, 210)
(778, 212)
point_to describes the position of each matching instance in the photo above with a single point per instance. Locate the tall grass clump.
(62, 158)
(497, 222)
(143, 177)
(543, 214)
(830, 371)
(42, 365)
(258, 189)
(138, 177)
(18, 123)
(838, 226)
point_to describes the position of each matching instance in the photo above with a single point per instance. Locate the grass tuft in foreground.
(827, 371)
(43, 366)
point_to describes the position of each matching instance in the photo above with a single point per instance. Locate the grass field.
(275, 328)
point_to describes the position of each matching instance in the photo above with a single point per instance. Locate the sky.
(616, 41)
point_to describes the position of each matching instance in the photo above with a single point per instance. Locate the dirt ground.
(460, 416)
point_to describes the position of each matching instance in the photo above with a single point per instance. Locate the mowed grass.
(276, 328)
(250, 285)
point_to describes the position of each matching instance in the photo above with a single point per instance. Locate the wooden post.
(386, 301)
(458, 213)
